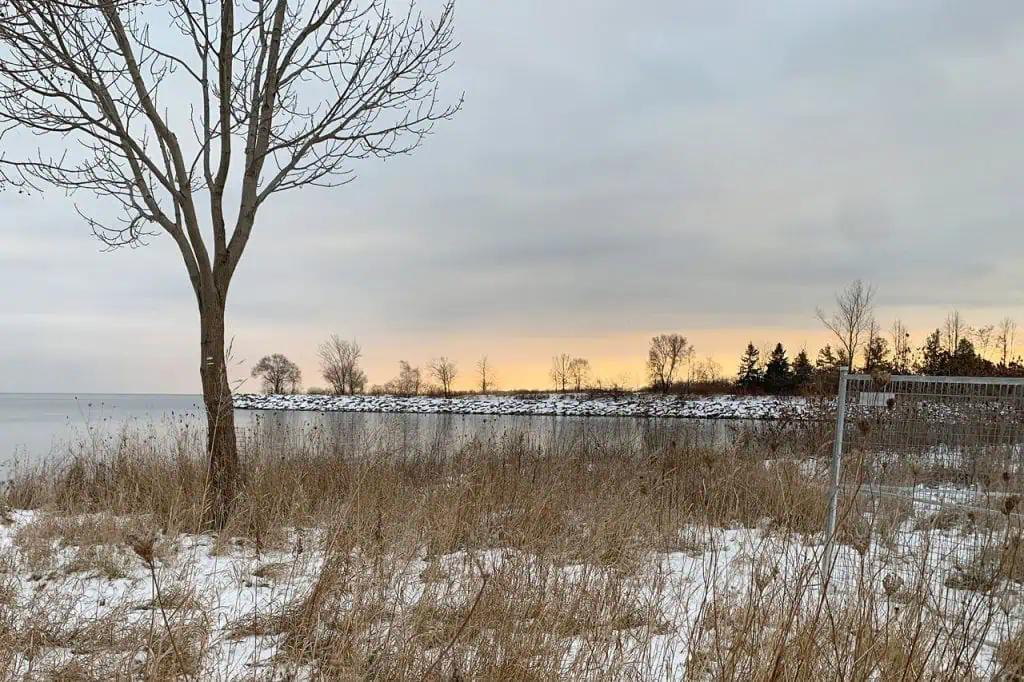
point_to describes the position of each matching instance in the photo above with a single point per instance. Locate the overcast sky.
(618, 170)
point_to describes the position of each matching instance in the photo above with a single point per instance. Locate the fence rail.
(925, 379)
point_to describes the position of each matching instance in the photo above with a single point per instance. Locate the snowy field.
(710, 605)
(568, 404)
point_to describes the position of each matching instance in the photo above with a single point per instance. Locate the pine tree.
(967, 362)
(826, 361)
(803, 370)
(777, 376)
(826, 370)
(750, 372)
(876, 354)
(933, 358)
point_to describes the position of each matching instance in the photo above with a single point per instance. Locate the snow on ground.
(233, 585)
(568, 404)
(70, 595)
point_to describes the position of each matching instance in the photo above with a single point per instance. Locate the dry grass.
(1010, 657)
(582, 499)
(98, 543)
(489, 559)
(994, 564)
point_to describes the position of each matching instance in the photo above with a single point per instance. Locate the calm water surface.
(35, 426)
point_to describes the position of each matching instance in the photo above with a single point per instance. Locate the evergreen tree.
(876, 354)
(933, 358)
(967, 362)
(803, 370)
(750, 372)
(826, 361)
(778, 378)
(937, 360)
(826, 370)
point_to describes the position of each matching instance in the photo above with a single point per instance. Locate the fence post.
(837, 460)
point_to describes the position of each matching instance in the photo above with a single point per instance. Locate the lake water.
(35, 426)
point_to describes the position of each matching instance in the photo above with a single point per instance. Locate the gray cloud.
(615, 170)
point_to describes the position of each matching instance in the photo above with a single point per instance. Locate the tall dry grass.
(510, 487)
(582, 557)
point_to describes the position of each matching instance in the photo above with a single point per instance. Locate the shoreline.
(561, 404)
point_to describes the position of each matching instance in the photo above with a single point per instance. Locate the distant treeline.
(953, 349)
(777, 374)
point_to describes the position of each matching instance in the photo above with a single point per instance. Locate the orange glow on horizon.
(523, 362)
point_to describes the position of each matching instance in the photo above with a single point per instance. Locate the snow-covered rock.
(567, 404)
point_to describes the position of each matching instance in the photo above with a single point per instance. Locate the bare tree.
(954, 328)
(853, 318)
(408, 382)
(1005, 338)
(445, 371)
(707, 371)
(559, 372)
(901, 349)
(339, 363)
(191, 134)
(667, 353)
(689, 357)
(486, 374)
(984, 337)
(578, 372)
(764, 354)
(278, 373)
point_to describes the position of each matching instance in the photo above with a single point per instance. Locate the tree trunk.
(221, 446)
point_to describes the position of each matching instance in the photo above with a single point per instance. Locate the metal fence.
(927, 480)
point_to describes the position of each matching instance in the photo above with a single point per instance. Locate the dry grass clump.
(105, 561)
(519, 613)
(98, 541)
(786, 631)
(173, 597)
(965, 520)
(1009, 654)
(993, 563)
(45, 635)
